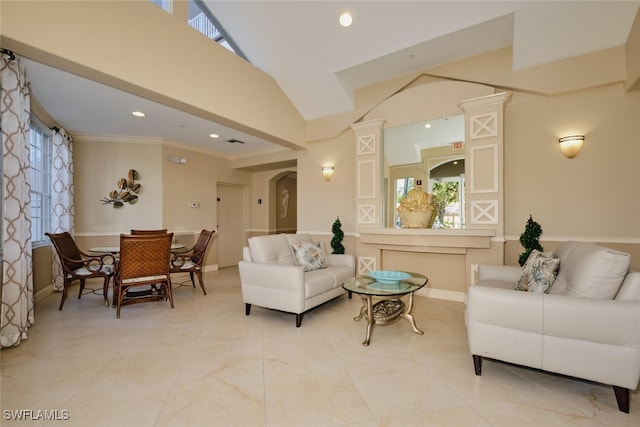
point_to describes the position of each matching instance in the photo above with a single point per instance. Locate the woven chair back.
(201, 246)
(67, 250)
(144, 255)
(147, 232)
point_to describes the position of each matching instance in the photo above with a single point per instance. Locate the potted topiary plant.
(338, 235)
(530, 239)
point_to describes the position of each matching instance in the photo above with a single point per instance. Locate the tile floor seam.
(179, 374)
(355, 384)
(507, 395)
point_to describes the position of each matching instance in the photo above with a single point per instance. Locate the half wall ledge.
(428, 238)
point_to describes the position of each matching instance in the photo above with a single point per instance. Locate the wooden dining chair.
(191, 260)
(143, 263)
(147, 232)
(77, 265)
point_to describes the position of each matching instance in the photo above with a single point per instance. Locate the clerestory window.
(202, 19)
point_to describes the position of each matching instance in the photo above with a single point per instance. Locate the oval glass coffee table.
(388, 289)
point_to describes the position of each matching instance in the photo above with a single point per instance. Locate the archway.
(283, 199)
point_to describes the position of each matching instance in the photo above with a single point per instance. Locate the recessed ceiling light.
(138, 114)
(428, 126)
(214, 135)
(345, 19)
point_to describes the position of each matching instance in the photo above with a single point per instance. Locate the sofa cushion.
(309, 255)
(592, 271)
(630, 288)
(271, 249)
(298, 238)
(340, 273)
(317, 282)
(563, 251)
(538, 273)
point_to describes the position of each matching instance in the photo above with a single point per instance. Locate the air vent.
(234, 141)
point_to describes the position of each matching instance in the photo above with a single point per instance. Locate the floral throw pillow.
(309, 255)
(538, 273)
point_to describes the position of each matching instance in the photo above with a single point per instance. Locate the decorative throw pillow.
(593, 271)
(538, 273)
(309, 255)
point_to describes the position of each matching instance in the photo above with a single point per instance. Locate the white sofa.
(273, 275)
(587, 326)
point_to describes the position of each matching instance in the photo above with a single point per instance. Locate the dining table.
(152, 291)
(116, 249)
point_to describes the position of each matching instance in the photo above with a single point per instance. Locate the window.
(166, 5)
(449, 195)
(40, 159)
(202, 19)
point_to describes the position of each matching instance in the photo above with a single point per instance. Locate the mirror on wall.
(429, 154)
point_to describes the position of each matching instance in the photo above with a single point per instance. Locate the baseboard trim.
(442, 294)
(208, 268)
(42, 294)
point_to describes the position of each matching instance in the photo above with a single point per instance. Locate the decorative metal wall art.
(127, 191)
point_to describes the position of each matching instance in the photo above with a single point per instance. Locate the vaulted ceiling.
(319, 64)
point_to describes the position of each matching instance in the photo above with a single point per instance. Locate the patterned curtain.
(61, 197)
(17, 312)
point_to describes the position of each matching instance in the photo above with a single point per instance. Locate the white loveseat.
(587, 326)
(273, 274)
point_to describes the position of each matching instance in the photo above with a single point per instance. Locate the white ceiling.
(319, 64)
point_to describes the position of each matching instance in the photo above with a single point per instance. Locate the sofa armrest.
(342, 259)
(505, 308)
(611, 322)
(503, 273)
(275, 276)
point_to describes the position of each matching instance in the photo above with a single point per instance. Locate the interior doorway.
(231, 224)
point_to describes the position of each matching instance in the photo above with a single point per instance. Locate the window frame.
(44, 192)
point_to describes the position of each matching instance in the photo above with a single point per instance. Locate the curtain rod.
(8, 52)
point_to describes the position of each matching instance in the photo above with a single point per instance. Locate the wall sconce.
(571, 145)
(327, 172)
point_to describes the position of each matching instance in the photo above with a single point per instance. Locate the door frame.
(244, 217)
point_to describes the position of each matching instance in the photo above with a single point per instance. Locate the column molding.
(484, 165)
(369, 164)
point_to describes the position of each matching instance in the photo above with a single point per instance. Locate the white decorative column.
(484, 155)
(370, 197)
(369, 174)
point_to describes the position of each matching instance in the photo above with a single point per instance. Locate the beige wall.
(632, 50)
(168, 190)
(572, 199)
(321, 201)
(98, 165)
(263, 200)
(591, 197)
(41, 271)
(139, 48)
(194, 181)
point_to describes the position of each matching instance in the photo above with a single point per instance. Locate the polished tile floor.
(205, 363)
